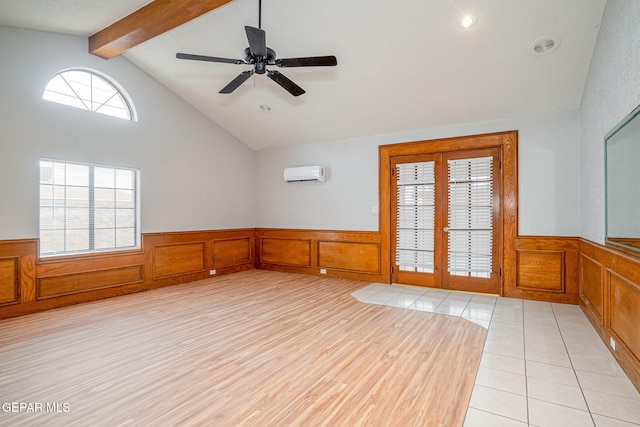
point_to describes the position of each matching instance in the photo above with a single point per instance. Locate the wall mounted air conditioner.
(304, 173)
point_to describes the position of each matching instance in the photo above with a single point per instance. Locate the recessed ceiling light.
(468, 21)
(266, 108)
(544, 45)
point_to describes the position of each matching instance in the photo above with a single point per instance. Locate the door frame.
(506, 141)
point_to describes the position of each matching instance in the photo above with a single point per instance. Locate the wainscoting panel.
(610, 297)
(180, 257)
(53, 286)
(71, 279)
(177, 259)
(540, 270)
(354, 255)
(229, 253)
(591, 286)
(285, 252)
(624, 316)
(349, 256)
(546, 269)
(9, 280)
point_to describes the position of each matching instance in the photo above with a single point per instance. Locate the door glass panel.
(470, 229)
(415, 216)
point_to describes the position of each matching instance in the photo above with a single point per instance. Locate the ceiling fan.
(259, 55)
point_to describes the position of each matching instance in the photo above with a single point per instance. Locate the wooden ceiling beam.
(147, 22)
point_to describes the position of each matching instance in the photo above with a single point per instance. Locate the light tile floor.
(543, 363)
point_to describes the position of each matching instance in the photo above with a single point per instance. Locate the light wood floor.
(255, 348)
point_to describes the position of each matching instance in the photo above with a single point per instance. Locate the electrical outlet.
(212, 272)
(323, 271)
(612, 343)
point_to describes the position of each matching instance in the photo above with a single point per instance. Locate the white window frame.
(94, 97)
(63, 224)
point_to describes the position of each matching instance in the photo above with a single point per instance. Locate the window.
(87, 208)
(415, 216)
(470, 217)
(90, 90)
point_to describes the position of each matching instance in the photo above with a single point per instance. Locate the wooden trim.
(507, 142)
(146, 23)
(91, 256)
(614, 242)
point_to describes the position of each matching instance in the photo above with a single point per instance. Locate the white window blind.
(87, 208)
(415, 217)
(469, 217)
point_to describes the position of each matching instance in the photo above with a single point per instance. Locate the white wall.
(549, 171)
(194, 175)
(612, 91)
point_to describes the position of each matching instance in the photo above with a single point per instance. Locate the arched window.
(89, 90)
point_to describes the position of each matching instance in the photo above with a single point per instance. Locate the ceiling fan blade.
(208, 58)
(235, 83)
(257, 41)
(312, 61)
(287, 84)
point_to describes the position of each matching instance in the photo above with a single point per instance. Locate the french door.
(446, 220)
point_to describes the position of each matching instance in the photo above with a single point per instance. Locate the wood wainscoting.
(546, 269)
(610, 297)
(172, 258)
(17, 272)
(354, 255)
(29, 284)
(542, 268)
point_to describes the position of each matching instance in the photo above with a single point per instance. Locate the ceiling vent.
(544, 45)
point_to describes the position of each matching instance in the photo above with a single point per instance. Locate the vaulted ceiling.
(402, 65)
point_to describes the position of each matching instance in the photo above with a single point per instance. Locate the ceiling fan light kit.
(259, 55)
